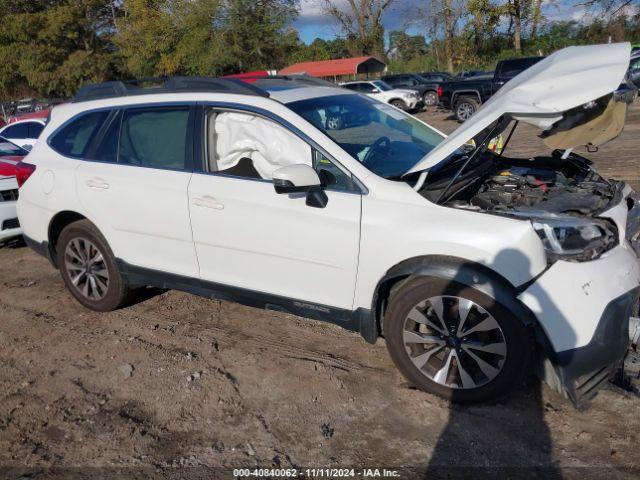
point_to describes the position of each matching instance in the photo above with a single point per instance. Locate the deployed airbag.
(268, 145)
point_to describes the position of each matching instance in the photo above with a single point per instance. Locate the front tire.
(88, 268)
(454, 341)
(399, 104)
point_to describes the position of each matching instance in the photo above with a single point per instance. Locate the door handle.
(208, 202)
(97, 183)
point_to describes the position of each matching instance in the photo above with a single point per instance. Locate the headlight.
(575, 239)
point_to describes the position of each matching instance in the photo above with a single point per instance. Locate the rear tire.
(454, 341)
(465, 107)
(430, 99)
(88, 268)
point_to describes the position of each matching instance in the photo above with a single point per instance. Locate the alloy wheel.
(465, 110)
(86, 268)
(430, 99)
(333, 123)
(454, 342)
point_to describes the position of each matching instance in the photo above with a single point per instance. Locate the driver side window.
(250, 146)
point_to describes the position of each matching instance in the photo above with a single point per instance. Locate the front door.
(247, 235)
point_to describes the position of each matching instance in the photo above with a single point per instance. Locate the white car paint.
(617, 270)
(385, 93)
(239, 232)
(539, 95)
(8, 208)
(25, 140)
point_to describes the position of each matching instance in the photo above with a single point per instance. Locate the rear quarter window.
(73, 138)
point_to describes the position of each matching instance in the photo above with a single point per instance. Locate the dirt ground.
(185, 387)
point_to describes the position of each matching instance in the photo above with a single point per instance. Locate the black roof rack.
(167, 85)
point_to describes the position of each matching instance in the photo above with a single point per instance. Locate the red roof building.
(251, 77)
(334, 69)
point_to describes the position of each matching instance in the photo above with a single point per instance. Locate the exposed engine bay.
(562, 196)
(547, 185)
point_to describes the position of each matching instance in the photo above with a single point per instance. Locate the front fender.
(457, 270)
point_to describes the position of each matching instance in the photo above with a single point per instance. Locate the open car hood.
(565, 80)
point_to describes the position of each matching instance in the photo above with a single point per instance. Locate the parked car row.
(464, 97)
(26, 105)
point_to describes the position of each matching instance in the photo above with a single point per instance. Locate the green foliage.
(204, 37)
(319, 49)
(405, 47)
(254, 33)
(51, 47)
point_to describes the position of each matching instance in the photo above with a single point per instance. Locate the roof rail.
(302, 78)
(168, 85)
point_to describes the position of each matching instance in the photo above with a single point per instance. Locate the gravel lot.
(180, 386)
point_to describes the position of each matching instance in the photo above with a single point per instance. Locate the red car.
(10, 155)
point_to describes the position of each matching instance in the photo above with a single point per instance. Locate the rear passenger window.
(154, 138)
(72, 139)
(35, 129)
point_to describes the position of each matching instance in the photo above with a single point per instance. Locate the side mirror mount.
(301, 178)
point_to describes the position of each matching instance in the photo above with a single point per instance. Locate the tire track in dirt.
(261, 342)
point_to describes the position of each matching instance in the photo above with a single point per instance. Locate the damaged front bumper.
(584, 310)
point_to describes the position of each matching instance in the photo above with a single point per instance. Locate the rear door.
(133, 184)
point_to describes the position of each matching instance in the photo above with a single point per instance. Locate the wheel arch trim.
(57, 223)
(462, 93)
(457, 269)
(397, 99)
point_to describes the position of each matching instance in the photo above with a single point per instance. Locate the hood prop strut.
(504, 147)
(479, 149)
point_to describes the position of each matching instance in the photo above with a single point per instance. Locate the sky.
(313, 23)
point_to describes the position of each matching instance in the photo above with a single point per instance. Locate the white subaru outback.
(476, 267)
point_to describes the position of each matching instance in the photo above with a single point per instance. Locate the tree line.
(51, 47)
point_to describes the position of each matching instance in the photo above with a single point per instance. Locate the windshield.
(385, 87)
(10, 149)
(384, 139)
